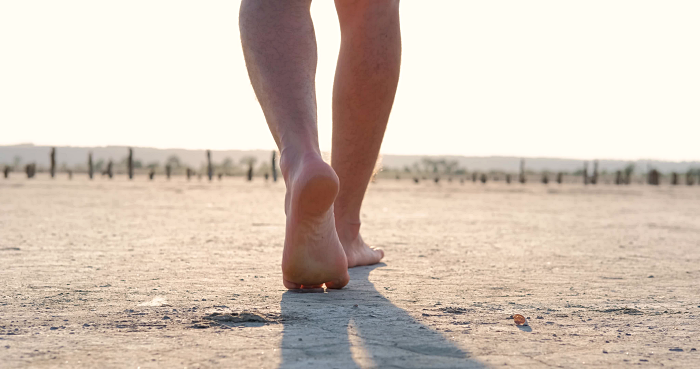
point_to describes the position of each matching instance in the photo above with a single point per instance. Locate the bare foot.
(356, 250)
(313, 254)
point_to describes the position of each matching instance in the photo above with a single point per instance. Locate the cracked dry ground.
(187, 274)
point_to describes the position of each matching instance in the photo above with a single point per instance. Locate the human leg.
(366, 78)
(279, 46)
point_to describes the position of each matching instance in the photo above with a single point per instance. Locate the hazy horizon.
(614, 80)
(75, 157)
(381, 154)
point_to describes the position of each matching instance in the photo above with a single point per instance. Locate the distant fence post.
(53, 162)
(30, 169)
(653, 178)
(210, 170)
(90, 173)
(522, 171)
(274, 166)
(674, 178)
(594, 178)
(130, 163)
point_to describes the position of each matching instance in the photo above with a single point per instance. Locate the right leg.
(365, 83)
(279, 46)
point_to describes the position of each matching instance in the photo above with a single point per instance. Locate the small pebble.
(519, 319)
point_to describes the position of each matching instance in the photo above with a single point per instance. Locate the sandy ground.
(133, 274)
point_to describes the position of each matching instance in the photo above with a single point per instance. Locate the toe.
(368, 256)
(291, 285)
(339, 282)
(379, 253)
(297, 286)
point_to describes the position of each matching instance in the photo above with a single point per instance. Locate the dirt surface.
(187, 274)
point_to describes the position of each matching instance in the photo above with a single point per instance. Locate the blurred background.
(483, 84)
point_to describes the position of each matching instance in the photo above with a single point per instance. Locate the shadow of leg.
(358, 327)
(315, 332)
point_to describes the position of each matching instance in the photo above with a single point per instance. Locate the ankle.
(291, 157)
(348, 229)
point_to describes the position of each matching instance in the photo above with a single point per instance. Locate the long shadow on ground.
(327, 330)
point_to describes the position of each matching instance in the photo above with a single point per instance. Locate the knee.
(361, 11)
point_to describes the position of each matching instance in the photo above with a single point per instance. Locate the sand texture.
(187, 274)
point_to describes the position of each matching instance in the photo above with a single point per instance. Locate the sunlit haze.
(593, 79)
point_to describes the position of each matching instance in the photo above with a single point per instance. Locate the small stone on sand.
(519, 319)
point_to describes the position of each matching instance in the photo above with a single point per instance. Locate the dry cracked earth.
(187, 274)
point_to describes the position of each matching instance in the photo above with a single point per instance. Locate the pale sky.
(585, 79)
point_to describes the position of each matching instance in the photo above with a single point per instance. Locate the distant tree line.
(226, 167)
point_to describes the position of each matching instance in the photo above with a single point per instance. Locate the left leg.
(365, 83)
(279, 46)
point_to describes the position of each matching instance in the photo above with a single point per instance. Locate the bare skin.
(366, 78)
(280, 51)
(313, 254)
